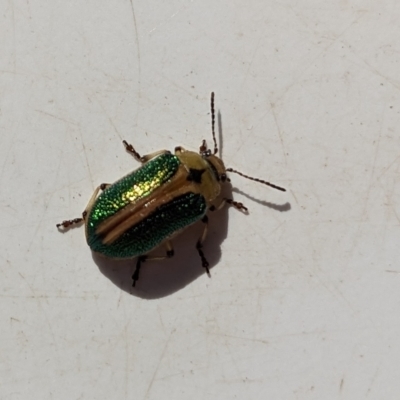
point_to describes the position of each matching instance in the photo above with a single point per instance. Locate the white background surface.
(304, 298)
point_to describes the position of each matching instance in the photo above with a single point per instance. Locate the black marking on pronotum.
(195, 175)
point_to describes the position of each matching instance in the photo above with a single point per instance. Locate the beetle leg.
(179, 150)
(203, 147)
(101, 187)
(130, 149)
(199, 245)
(170, 249)
(141, 259)
(104, 186)
(135, 276)
(69, 222)
(169, 253)
(235, 204)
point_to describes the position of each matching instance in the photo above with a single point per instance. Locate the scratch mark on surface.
(291, 191)
(313, 60)
(161, 320)
(182, 88)
(394, 211)
(389, 192)
(231, 356)
(6, 159)
(41, 307)
(377, 146)
(108, 117)
(250, 64)
(321, 276)
(386, 169)
(146, 396)
(246, 339)
(56, 117)
(138, 57)
(126, 341)
(47, 296)
(279, 130)
(373, 380)
(38, 226)
(341, 385)
(171, 17)
(120, 298)
(86, 159)
(375, 71)
(13, 37)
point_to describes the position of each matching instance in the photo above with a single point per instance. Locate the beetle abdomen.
(147, 234)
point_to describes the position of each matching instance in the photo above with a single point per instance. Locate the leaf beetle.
(157, 201)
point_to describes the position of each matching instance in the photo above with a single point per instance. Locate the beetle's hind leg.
(135, 276)
(142, 159)
(141, 259)
(69, 222)
(199, 245)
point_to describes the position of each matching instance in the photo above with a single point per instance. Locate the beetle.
(157, 201)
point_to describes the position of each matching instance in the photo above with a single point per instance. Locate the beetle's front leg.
(130, 149)
(67, 223)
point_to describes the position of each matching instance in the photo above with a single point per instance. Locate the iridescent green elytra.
(151, 205)
(153, 228)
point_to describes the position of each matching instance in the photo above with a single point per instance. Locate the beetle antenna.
(256, 179)
(213, 123)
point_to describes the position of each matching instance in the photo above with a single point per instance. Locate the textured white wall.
(304, 297)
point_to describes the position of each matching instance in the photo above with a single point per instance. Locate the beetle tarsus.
(204, 261)
(130, 149)
(135, 276)
(239, 206)
(67, 223)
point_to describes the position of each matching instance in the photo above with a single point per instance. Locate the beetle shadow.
(161, 278)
